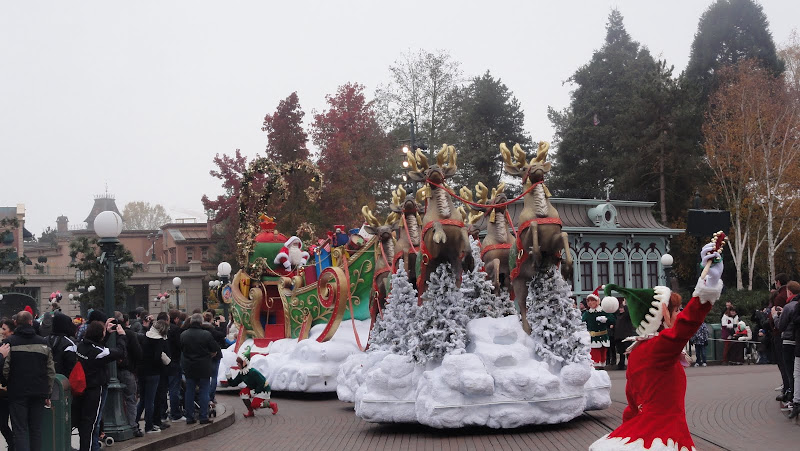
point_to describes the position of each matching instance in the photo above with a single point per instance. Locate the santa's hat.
(28, 309)
(291, 241)
(644, 305)
(340, 228)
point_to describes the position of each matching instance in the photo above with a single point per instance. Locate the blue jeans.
(202, 395)
(175, 394)
(212, 392)
(147, 398)
(701, 352)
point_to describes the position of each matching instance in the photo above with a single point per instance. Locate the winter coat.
(151, 363)
(28, 370)
(219, 337)
(133, 352)
(63, 344)
(780, 301)
(701, 336)
(784, 321)
(174, 345)
(623, 328)
(94, 358)
(796, 324)
(728, 323)
(198, 347)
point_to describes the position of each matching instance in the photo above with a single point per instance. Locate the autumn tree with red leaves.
(223, 211)
(355, 156)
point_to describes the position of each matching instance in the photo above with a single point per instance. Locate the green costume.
(597, 329)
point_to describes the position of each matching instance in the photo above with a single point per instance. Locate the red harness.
(522, 252)
(492, 247)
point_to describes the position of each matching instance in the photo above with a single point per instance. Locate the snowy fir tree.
(441, 323)
(476, 289)
(555, 323)
(504, 305)
(393, 331)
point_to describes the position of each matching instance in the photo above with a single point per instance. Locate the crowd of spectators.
(168, 364)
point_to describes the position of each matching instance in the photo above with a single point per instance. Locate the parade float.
(414, 320)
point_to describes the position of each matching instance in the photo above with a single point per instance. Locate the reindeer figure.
(444, 237)
(473, 216)
(410, 225)
(384, 250)
(540, 240)
(496, 246)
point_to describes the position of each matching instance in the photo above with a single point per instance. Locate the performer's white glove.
(228, 374)
(287, 264)
(602, 319)
(715, 271)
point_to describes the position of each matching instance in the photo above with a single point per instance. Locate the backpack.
(77, 379)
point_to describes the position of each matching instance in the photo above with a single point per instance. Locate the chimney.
(62, 224)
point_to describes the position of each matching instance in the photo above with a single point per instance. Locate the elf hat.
(595, 294)
(291, 240)
(644, 306)
(246, 356)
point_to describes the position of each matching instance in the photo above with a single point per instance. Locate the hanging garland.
(276, 183)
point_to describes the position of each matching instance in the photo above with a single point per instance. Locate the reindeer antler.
(401, 193)
(422, 160)
(483, 193)
(451, 157)
(369, 217)
(541, 152)
(392, 218)
(509, 159)
(442, 155)
(497, 191)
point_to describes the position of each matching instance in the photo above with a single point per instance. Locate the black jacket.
(174, 341)
(94, 357)
(198, 347)
(28, 370)
(785, 324)
(219, 337)
(133, 352)
(152, 347)
(63, 343)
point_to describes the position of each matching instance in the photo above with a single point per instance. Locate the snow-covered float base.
(301, 366)
(499, 382)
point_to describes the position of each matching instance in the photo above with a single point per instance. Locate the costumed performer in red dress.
(655, 418)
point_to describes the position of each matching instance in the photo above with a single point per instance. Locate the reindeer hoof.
(439, 237)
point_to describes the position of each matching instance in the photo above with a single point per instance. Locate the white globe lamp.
(108, 224)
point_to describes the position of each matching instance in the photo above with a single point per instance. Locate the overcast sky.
(141, 95)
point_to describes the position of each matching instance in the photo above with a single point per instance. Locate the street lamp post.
(224, 272)
(152, 237)
(108, 226)
(666, 262)
(176, 282)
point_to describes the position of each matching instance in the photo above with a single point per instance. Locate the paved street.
(728, 408)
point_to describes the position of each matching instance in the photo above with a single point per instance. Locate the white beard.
(295, 256)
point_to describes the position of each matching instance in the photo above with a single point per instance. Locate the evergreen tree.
(729, 31)
(476, 291)
(441, 322)
(614, 133)
(85, 253)
(392, 332)
(487, 113)
(555, 322)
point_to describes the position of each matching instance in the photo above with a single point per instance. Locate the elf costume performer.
(257, 388)
(655, 418)
(597, 322)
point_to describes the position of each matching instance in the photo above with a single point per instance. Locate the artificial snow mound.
(306, 365)
(499, 382)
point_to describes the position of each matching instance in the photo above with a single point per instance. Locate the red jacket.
(656, 388)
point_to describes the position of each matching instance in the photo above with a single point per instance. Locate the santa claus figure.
(291, 254)
(655, 418)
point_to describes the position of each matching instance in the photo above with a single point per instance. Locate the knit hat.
(644, 306)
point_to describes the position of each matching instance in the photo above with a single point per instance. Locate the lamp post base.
(115, 422)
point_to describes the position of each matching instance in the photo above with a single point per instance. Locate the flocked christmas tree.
(393, 331)
(441, 322)
(557, 329)
(477, 291)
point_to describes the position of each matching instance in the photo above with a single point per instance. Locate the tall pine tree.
(611, 134)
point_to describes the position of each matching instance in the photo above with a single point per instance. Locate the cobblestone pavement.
(728, 408)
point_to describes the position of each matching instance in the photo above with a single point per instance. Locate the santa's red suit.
(291, 257)
(655, 418)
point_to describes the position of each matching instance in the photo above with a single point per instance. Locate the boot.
(250, 412)
(274, 407)
(795, 411)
